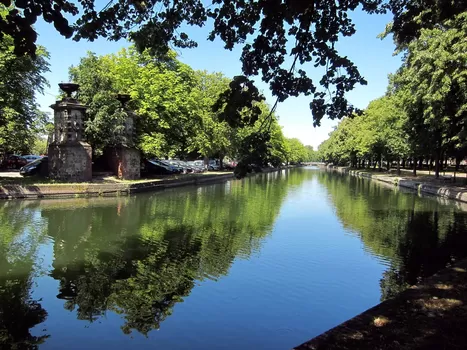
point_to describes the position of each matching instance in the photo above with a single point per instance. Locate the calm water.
(263, 263)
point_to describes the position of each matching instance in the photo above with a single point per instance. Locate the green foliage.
(412, 16)
(20, 79)
(296, 151)
(40, 146)
(264, 29)
(432, 85)
(425, 111)
(161, 91)
(210, 135)
(378, 132)
(98, 93)
(179, 112)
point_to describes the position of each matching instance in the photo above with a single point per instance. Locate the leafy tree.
(296, 151)
(98, 92)
(432, 84)
(312, 155)
(211, 135)
(161, 91)
(412, 16)
(40, 146)
(20, 79)
(179, 111)
(278, 146)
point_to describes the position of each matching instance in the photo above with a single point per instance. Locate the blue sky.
(372, 56)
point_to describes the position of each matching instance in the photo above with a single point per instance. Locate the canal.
(263, 263)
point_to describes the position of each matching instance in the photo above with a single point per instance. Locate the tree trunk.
(414, 164)
(388, 165)
(399, 166)
(420, 163)
(437, 164)
(458, 162)
(403, 163)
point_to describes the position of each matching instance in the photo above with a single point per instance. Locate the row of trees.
(423, 116)
(178, 113)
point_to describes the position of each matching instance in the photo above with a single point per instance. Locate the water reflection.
(417, 236)
(135, 256)
(19, 312)
(139, 257)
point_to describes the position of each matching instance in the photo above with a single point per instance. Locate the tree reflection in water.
(418, 236)
(140, 257)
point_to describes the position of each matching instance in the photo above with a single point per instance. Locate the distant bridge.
(318, 164)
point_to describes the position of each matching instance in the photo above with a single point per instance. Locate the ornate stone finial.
(68, 88)
(123, 98)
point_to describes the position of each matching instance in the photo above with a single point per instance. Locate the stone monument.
(125, 159)
(70, 157)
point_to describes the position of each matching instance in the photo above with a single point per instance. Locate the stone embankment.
(423, 184)
(97, 189)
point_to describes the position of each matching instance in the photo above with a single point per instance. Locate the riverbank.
(431, 315)
(25, 188)
(423, 184)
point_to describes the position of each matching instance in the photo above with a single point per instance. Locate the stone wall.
(448, 191)
(70, 161)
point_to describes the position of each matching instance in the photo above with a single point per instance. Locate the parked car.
(174, 168)
(182, 165)
(154, 167)
(190, 169)
(13, 162)
(196, 168)
(213, 166)
(37, 166)
(31, 157)
(199, 163)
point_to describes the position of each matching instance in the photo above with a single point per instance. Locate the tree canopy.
(21, 79)
(178, 111)
(264, 29)
(424, 112)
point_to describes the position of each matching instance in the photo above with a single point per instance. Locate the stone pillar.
(125, 158)
(125, 162)
(70, 157)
